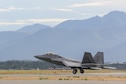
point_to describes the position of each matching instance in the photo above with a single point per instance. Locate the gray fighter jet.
(88, 61)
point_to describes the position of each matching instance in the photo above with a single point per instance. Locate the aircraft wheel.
(81, 71)
(74, 71)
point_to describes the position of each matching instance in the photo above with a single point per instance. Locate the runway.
(85, 74)
(59, 82)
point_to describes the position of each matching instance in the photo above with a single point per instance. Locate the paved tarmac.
(85, 74)
(59, 82)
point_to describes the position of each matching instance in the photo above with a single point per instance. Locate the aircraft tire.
(81, 71)
(74, 71)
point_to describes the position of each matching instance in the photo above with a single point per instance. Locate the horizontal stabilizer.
(106, 67)
(95, 68)
(93, 64)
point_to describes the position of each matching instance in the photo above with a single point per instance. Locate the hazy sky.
(15, 14)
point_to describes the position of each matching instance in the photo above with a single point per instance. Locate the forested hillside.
(40, 65)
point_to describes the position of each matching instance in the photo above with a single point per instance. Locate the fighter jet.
(87, 61)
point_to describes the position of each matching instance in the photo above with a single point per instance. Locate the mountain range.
(70, 39)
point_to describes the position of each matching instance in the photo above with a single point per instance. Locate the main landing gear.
(75, 71)
(81, 71)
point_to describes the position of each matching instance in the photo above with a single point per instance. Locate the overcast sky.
(15, 14)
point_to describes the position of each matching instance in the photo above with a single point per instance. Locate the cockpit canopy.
(52, 55)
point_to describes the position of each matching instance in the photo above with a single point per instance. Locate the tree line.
(33, 65)
(25, 65)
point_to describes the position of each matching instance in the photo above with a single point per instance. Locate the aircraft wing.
(107, 67)
(90, 66)
(96, 66)
(71, 64)
(77, 64)
(68, 63)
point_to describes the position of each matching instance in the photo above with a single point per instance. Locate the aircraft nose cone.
(37, 56)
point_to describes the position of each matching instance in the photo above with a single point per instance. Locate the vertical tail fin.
(87, 58)
(99, 58)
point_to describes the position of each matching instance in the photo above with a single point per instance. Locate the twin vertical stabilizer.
(87, 58)
(98, 58)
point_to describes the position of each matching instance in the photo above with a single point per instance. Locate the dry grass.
(4, 74)
(56, 71)
(105, 71)
(34, 71)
